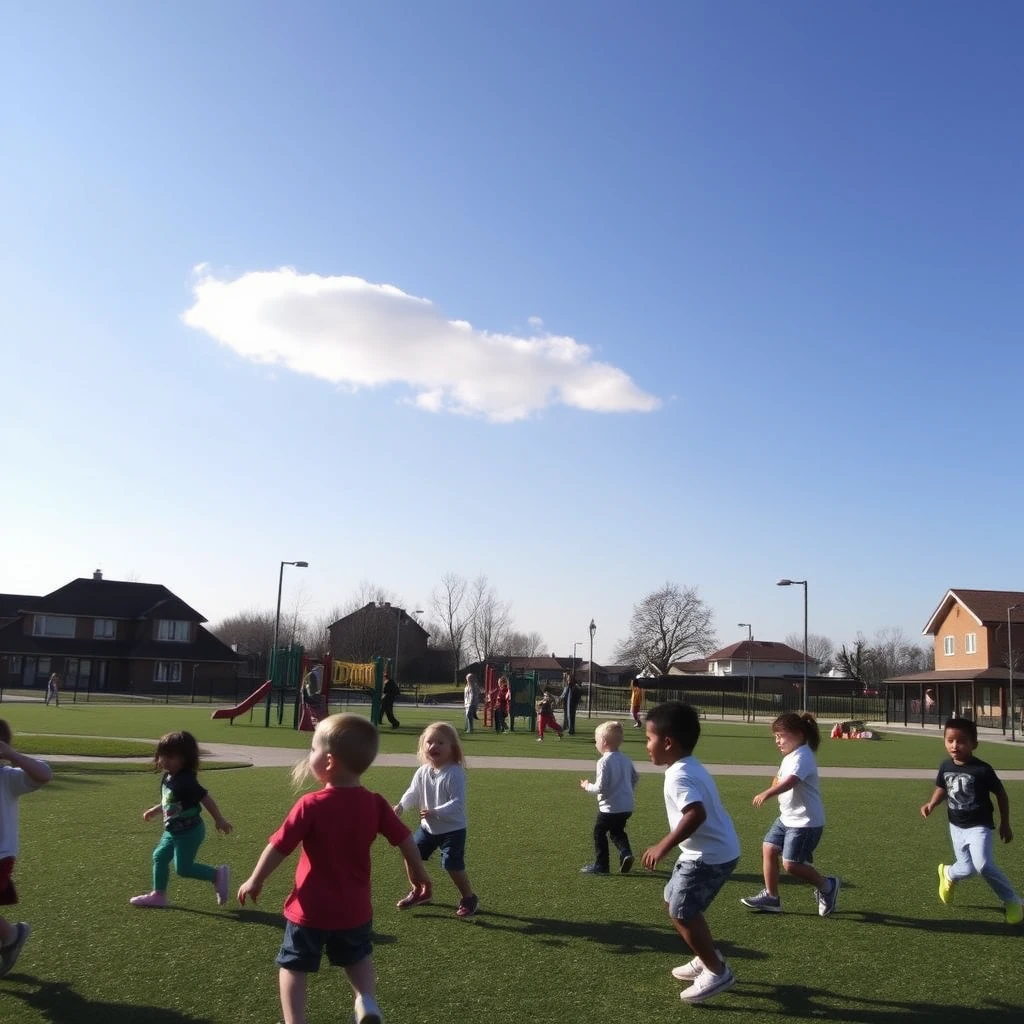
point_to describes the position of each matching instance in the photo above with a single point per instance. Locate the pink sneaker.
(414, 899)
(222, 884)
(150, 899)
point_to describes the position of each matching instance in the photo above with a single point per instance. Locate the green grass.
(549, 944)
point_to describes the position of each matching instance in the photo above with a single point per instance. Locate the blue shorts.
(451, 844)
(694, 885)
(796, 843)
(302, 946)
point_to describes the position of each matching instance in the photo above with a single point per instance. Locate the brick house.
(108, 635)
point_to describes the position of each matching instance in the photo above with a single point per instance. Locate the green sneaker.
(1014, 912)
(945, 885)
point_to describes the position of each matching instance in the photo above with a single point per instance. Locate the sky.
(583, 296)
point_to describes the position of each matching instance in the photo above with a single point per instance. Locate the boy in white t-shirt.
(704, 833)
(797, 831)
(22, 775)
(613, 784)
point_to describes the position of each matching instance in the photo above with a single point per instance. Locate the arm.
(270, 860)
(1005, 832)
(152, 812)
(222, 823)
(410, 798)
(597, 785)
(38, 771)
(693, 817)
(782, 786)
(936, 798)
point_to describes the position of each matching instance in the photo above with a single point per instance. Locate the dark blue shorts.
(451, 844)
(303, 947)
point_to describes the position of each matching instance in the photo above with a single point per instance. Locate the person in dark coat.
(389, 694)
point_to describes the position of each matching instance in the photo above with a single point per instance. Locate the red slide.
(240, 709)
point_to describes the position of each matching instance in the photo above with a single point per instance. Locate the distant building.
(385, 631)
(754, 657)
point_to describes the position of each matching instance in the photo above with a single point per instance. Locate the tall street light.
(750, 686)
(277, 615)
(398, 638)
(800, 583)
(590, 674)
(572, 673)
(1009, 662)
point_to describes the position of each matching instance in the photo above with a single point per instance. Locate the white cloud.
(356, 335)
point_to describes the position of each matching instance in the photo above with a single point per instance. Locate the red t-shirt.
(336, 827)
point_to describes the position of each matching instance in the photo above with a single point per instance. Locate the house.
(112, 635)
(695, 667)
(549, 670)
(759, 658)
(382, 630)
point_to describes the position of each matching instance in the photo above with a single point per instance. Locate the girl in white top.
(438, 791)
(797, 831)
(470, 700)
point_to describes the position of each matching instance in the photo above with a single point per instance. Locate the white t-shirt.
(801, 807)
(688, 782)
(614, 783)
(442, 790)
(14, 783)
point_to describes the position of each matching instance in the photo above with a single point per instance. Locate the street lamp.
(590, 674)
(750, 686)
(800, 583)
(398, 637)
(277, 615)
(1009, 662)
(572, 673)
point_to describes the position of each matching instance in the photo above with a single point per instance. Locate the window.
(14, 664)
(948, 645)
(104, 629)
(971, 643)
(53, 625)
(177, 630)
(42, 668)
(167, 672)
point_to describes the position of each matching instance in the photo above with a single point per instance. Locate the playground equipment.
(240, 709)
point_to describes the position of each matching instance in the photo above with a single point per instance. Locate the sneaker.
(222, 884)
(413, 899)
(366, 1010)
(9, 954)
(149, 899)
(827, 900)
(540, 739)
(764, 900)
(690, 971)
(706, 985)
(945, 885)
(593, 869)
(1014, 912)
(467, 906)
(626, 863)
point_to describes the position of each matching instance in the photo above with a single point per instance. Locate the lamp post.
(590, 674)
(277, 615)
(1009, 662)
(398, 638)
(750, 686)
(572, 672)
(800, 583)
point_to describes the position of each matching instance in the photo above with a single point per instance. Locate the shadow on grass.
(953, 925)
(263, 917)
(59, 1003)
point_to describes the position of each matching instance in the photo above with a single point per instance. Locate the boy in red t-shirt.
(329, 905)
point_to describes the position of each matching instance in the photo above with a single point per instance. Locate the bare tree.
(491, 619)
(668, 625)
(819, 648)
(890, 654)
(451, 609)
(251, 631)
(520, 645)
(318, 630)
(368, 593)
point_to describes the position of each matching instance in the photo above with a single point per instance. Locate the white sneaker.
(689, 971)
(367, 1011)
(707, 985)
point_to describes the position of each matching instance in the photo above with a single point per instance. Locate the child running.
(438, 791)
(614, 784)
(709, 848)
(546, 716)
(797, 830)
(636, 702)
(329, 905)
(22, 774)
(968, 784)
(181, 801)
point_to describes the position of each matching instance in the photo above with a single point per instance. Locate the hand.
(926, 809)
(151, 812)
(250, 887)
(397, 809)
(1005, 832)
(584, 783)
(759, 800)
(651, 856)
(425, 813)
(223, 825)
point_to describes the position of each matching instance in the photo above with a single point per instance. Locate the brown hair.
(802, 725)
(179, 744)
(5, 731)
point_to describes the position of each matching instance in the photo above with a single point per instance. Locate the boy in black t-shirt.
(968, 784)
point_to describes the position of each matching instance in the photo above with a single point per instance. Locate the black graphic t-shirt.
(180, 796)
(969, 788)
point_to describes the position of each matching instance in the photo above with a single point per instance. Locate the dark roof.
(759, 650)
(989, 607)
(113, 599)
(963, 675)
(12, 604)
(697, 665)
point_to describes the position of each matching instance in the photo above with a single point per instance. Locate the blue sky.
(714, 293)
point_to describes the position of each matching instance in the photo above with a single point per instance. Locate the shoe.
(413, 899)
(945, 885)
(9, 954)
(692, 970)
(366, 1010)
(764, 900)
(593, 869)
(540, 739)
(560, 735)
(827, 900)
(467, 906)
(222, 884)
(1014, 912)
(706, 985)
(626, 863)
(149, 899)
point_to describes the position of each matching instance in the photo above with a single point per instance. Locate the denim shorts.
(451, 844)
(302, 946)
(796, 843)
(694, 885)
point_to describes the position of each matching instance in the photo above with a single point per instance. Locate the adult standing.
(388, 696)
(570, 697)
(53, 689)
(470, 700)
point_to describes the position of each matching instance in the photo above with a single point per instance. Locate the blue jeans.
(973, 849)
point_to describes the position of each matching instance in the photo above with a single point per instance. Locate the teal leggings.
(182, 849)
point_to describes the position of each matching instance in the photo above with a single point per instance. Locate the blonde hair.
(447, 730)
(350, 739)
(610, 734)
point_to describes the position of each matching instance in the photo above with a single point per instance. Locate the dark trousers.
(499, 720)
(569, 715)
(613, 825)
(387, 710)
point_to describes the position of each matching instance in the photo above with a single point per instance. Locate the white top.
(442, 790)
(14, 783)
(471, 695)
(688, 782)
(801, 807)
(614, 783)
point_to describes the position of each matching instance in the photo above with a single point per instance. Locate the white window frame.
(169, 630)
(167, 672)
(949, 645)
(970, 643)
(43, 625)
(104, 629)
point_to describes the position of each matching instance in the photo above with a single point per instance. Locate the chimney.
(97, 574)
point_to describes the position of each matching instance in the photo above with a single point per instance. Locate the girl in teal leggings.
(182, 799)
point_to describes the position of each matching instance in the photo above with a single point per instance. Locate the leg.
(186, 846)
(963, 866)
(292, 985)
(770, 868)
(980, 849)
(162, 857)
(601, 826)
(461, 880)
(617, 830)
(806, 873)
(696, 934)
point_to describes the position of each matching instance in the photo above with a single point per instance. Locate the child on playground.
(797, 830)
(614, 784)
(182, 799)
(438, 791)
(22, 774)
(329, 905)
(546, 716)
(502, 705)
(709, 848)
(636, 702)
(968, 784)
